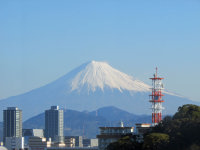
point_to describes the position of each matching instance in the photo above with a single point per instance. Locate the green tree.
(128, 142)
(188, 111)
(156, 141)
(183, 128)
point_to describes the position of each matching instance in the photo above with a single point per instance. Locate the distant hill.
(87, 123)
(112, 113)
(36, 122)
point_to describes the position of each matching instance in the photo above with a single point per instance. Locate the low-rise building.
(78, 140)
(27, 133)
(112, 134)
(39, 143)
(16, 143)
(70, 142)
(90, 142)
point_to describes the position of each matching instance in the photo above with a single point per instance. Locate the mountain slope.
(112, 113)
(88, 87)
(115, 115)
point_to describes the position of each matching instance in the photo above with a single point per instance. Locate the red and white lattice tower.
(156, 98)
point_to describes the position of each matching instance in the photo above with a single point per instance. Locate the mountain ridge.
(61, 92)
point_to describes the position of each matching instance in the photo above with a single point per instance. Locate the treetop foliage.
(188, 111)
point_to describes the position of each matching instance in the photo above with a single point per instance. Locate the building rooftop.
(143, 125)
(12, 108)
(54, 107)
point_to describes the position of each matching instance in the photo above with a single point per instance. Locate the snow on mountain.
(91, 86)
(100, 75)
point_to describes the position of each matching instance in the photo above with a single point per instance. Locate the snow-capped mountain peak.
(101, 75)
(81, 89)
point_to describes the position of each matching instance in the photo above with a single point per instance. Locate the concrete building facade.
(16, 143)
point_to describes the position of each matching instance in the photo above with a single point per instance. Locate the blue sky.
(41, 40)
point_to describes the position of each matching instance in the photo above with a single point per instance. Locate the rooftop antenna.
(156, 71)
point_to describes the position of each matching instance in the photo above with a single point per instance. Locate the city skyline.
(41, 41)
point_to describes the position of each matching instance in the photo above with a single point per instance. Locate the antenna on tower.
(96, 113)
(156, 71)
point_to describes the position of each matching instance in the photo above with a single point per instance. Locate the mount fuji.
(91, 86)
